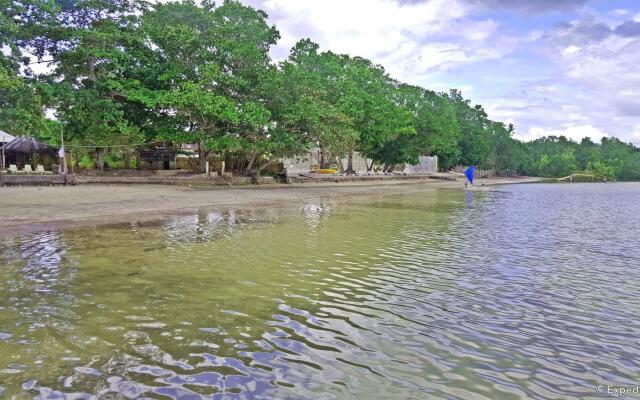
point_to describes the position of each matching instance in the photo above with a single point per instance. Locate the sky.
(550, 67)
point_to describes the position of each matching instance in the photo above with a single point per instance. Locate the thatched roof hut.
(27, 150)
(28, 145)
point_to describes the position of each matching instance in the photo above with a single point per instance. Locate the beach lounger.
(27, 169)
(13, 169)
(40, 170)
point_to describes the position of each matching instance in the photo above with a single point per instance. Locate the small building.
(168, 158)
(158, 157)
(187, 161)
(4, 139)
(361, 165)
(27, 150)
(425, 165)
(311, 162)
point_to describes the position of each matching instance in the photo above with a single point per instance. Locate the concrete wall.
(187, 163)
(426, 165)
(157, 165)
(35, 180)
(477, 172)
(311, 161)
(195, 180)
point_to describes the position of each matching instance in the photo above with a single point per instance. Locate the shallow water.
(525, 291)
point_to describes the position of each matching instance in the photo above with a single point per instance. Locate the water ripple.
(526, 292)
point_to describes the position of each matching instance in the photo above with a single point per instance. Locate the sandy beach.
(33, 209)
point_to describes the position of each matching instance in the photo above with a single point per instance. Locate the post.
(2, 166)
(206, 168)
(70, 161)
(64, 158)
(222, 168)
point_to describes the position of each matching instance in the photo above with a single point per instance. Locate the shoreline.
(33, 209)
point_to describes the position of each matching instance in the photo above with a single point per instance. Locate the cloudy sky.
(550, 67)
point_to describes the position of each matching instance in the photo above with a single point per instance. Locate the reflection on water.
(524, 292)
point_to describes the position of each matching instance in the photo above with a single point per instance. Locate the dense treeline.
(557, 156)
(129, 72)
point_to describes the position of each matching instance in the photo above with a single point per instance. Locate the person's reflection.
(468, 198)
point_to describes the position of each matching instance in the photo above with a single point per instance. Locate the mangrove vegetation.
(114, 75)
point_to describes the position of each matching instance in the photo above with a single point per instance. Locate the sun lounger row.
(13, 169)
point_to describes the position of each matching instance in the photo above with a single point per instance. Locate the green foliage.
(631, 167)
(21, 106)
(561, 164)
(128, 72)
(21, 100)
(474, 129)
(559, 156)
(600, 168)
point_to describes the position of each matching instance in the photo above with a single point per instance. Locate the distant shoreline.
(31, 209)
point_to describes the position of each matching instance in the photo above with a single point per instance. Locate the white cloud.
(575, 80)
(575, 132)
(595, 91)
(571, 50)
(363, 27)
(411, 40)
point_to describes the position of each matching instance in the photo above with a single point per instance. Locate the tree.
(434, 120)
(315, 98)
(631, 168)
(507, 154)
(120, 73)
(586, 152)
(370, 98)
(213, 62)
(600, 168)
(21, 108)
(90, 48)
(614, 154)
(473, 129)
(21, 97)
(557, 165)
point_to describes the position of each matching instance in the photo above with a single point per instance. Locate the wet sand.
(33, 209)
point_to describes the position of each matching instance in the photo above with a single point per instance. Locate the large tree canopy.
(118, 73)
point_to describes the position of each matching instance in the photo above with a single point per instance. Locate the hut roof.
(28, 145)
(5, 137)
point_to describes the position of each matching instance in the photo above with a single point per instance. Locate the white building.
(426, 165)
(311, 162)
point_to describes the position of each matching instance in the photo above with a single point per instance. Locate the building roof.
(28, 145)
(5, 137)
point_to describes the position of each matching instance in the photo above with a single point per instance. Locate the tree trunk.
(202, 162)
(255, 174)
(369, 166)
(138, 160)
(322, 163)
(253, 158)
(127, 160)
(350, 170)
(99, 161)
(340, 166)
